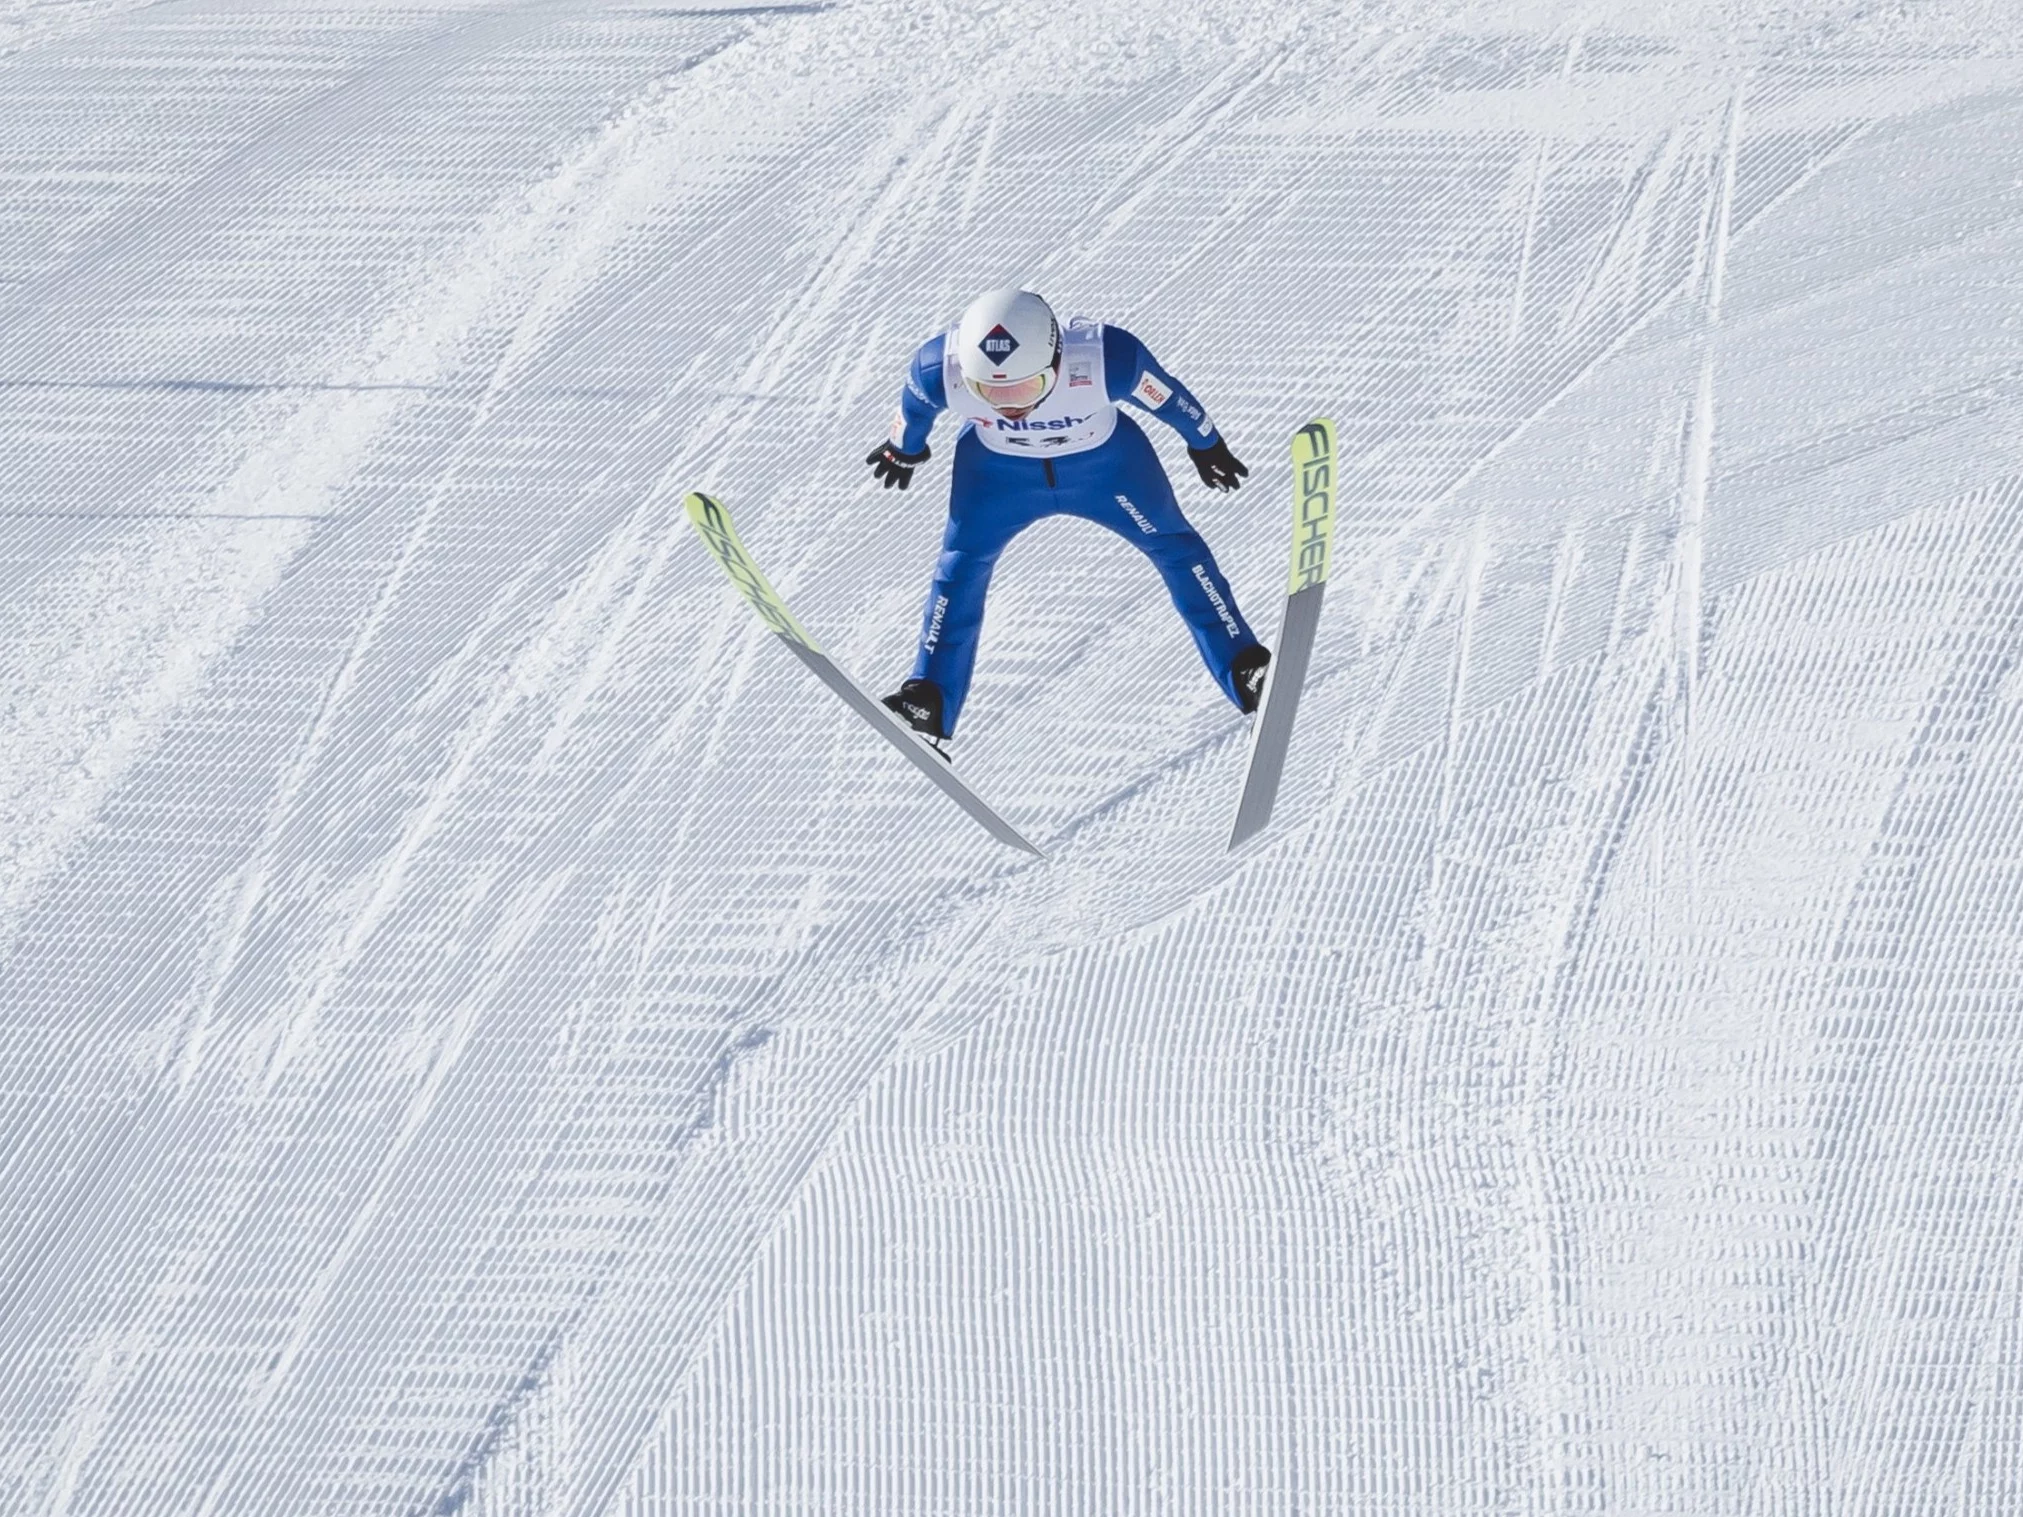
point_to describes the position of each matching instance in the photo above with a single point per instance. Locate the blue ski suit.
(1075, 454)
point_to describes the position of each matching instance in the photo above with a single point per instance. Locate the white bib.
(1077, 414)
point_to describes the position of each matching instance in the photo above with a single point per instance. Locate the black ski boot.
(1247, 668)
(918, 704)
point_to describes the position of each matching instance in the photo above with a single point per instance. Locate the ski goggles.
(1018, 394)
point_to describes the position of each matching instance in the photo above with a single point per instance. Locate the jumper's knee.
(1181, 548)
(1178, 555)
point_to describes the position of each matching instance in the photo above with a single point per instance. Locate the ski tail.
(1313, 523)
(713, 522)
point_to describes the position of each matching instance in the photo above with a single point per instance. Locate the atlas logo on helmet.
(998, 346)
(1007, 338)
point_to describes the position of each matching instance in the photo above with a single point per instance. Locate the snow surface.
(484, 1034)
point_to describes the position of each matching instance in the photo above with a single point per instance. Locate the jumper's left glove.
(1220, 468)
(894, 467)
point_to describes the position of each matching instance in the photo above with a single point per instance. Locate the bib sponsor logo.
(1151, 394)
(1078, 376)
(1031, 424)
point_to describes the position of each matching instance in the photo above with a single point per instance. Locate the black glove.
(1220, 468)
(894, 467)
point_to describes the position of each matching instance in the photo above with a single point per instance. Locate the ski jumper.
(1074, 454)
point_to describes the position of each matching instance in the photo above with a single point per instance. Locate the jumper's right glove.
(894, 467)
(1220, 469)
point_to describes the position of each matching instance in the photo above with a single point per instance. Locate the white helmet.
(1008, 347)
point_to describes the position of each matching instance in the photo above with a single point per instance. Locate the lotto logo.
(1151, 393)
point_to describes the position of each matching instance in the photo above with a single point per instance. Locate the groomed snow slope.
(484, 1034)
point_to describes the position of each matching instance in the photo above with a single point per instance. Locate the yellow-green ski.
(1313, 525)
(714, 524)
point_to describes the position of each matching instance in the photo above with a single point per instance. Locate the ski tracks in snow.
(742, 1132)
